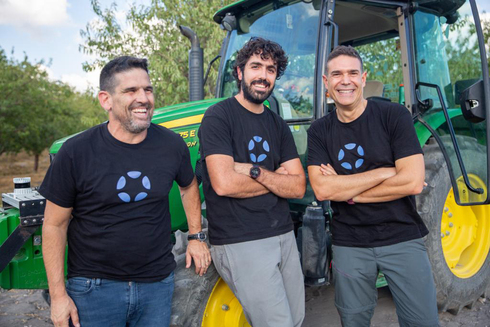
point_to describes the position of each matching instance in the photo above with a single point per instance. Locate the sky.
(50, 30)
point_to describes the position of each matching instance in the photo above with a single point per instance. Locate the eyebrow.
(134, 88)
(349, 71)
(261, 64)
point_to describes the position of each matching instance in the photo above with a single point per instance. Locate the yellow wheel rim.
(223, 308)
(465, 230)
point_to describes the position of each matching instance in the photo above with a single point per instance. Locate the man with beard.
(251, 168)
(114, 180)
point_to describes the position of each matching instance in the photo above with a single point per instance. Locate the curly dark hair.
(107, 81)
(343, 50)
(266, 49)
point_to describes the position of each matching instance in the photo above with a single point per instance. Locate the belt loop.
(97, 281)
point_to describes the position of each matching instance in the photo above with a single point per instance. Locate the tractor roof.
(438, 7)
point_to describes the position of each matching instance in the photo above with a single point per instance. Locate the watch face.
(201, 236)
(254, 172)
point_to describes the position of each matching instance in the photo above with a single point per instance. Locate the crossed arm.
(377, 185)
(232, 179)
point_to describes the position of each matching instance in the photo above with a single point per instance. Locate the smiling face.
(345, 82)
(257, 79)
(131, 104)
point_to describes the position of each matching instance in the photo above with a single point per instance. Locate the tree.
(153, 33)
(35, 111)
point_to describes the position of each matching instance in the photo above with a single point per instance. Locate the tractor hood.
(172, 117)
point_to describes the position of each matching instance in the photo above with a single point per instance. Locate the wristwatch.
(255, 172)
(200, 236)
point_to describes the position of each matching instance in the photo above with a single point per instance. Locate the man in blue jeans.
(107, 194)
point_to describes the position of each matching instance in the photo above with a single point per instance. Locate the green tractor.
(428, 55)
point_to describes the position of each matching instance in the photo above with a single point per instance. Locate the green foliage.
(153, 33)
(35, 111)
(463, 52)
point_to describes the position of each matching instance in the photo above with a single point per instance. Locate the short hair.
(343, 50)
(266, 49)
(107, 81)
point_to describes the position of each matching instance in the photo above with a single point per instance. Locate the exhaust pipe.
(196, 82)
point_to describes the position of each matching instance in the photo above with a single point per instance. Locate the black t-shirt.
(383, 134)
(119, 193)
(263, 139)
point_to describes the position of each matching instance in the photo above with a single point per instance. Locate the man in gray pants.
(251, 167)
(366, 159)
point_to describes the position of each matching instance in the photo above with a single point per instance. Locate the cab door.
(451, 93)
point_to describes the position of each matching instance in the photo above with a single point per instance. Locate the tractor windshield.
(447, 55)
(294, 25)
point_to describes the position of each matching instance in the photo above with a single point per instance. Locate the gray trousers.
(266, 277)
(408, 273)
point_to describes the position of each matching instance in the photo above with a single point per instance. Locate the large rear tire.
(459, 236)
(204, 301)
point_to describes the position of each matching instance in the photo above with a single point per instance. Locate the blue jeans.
(105, 302)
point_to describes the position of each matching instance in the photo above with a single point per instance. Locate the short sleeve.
(59, 185)
(185, 174)
(288, 147)
(317, 151)
(215, 136)
(404, 141)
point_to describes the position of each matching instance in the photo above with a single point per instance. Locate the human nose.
(345, 79)
(141, 96)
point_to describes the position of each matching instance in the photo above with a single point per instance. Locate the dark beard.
(255, 97)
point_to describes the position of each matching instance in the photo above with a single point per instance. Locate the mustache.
(261, 81)
(139, 105)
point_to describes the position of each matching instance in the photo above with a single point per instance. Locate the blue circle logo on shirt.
(352, 156)
(258, 149)
(124, 195)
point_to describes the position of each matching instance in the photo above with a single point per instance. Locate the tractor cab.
(426, 55)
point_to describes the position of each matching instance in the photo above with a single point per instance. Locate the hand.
(62, 309)
(243, 168)
(281, 171)
(199, 252)
(327, 170)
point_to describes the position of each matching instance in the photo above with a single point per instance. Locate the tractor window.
(295, 27)
(447, 55)
(381, 61)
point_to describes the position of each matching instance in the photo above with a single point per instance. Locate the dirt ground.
(21, 165)
(27, 308)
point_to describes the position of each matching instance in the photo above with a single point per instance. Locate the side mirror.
(462, 85)
(472, 102)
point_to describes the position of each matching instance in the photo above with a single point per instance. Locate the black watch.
(200, 236)
(255, 172)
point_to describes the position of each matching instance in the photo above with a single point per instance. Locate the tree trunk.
(36, 162)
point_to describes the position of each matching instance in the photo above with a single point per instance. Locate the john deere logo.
(352, 156)
(138, 186)
(258, 149)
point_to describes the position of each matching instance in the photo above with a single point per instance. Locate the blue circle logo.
(258, 149)
(352, 156)
(121, 184)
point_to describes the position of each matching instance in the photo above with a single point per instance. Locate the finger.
(198, 267)
(188, 260)
(74, 318)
